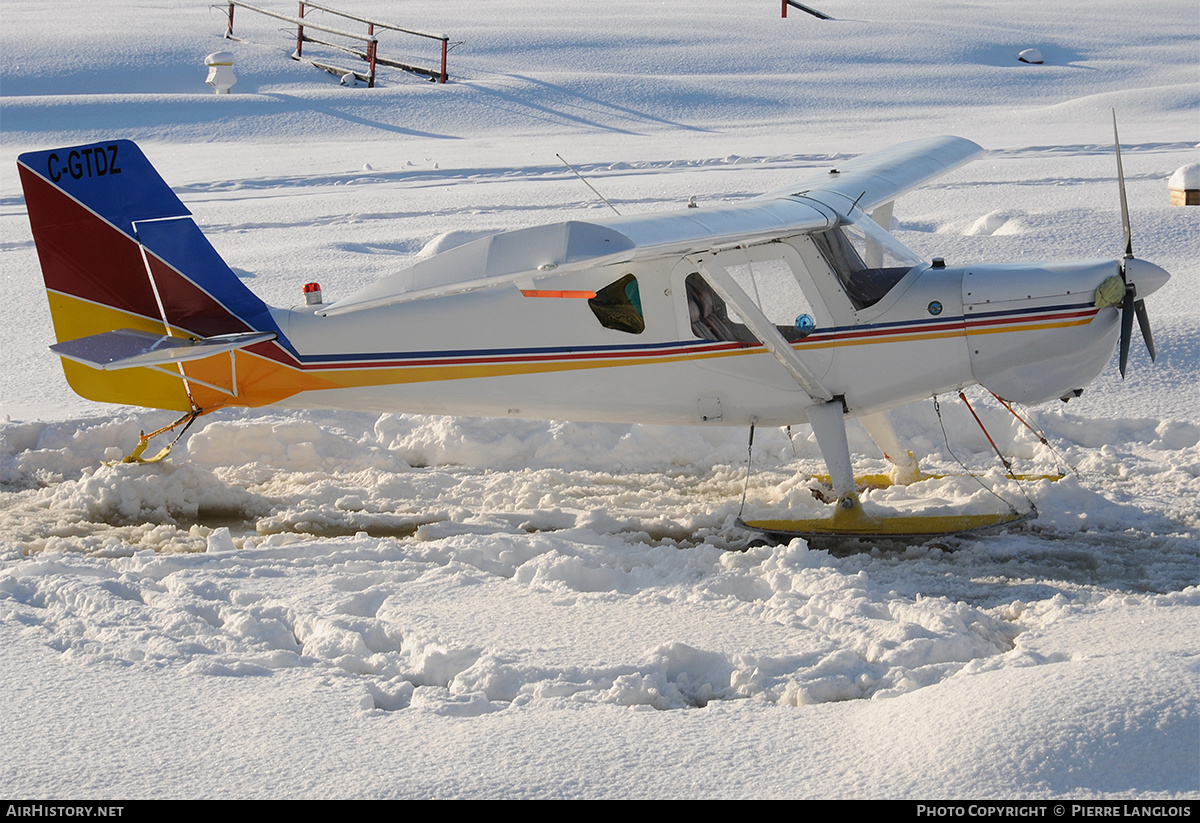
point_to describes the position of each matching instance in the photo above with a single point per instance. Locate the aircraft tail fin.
(120, 252)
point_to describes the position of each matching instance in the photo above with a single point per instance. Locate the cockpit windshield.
(867, 260)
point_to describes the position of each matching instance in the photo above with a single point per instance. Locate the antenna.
(586, 183)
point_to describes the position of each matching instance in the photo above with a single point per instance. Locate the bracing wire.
(938, 410)
(749, 461)
(1041, 435)
(982, 428)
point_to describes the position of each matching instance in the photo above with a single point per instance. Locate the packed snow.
(310, 604)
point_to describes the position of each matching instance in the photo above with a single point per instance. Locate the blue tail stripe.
(112, 178)
(182, 245)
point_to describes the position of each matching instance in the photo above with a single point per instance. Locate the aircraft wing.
(525, 255)
(499, 258)
(880, 177)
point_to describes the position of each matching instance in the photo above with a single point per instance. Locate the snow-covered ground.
(317, 605)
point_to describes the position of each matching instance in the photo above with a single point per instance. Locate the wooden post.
(300, 34)
(229, 27)
(372, 46)
(442, 77)
(784, 8)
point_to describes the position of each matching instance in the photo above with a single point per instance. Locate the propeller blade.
(1127, 312)
(1124, 201)
(1131, 306)
(1143, 317)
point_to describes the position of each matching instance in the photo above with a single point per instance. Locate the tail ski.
(145, 311)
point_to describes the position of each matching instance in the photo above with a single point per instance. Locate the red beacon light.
(312, 294)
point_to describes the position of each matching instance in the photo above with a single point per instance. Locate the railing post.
(372, 46)
(300, 34)
(785, 8)
(229, 27)
(442, 78)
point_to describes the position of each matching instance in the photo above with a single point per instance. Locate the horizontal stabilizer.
(129, 348)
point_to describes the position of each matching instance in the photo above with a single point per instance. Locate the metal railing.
(370, 53)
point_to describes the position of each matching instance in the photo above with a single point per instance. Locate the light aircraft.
(794, 307)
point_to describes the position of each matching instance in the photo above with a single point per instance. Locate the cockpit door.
(762, 295)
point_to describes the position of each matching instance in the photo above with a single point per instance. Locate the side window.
(774, 289)
(708, 314)
(619, 306)
(769, 283)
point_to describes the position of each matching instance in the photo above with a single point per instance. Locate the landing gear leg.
(829, 427)
(904, 465)
(849, 520)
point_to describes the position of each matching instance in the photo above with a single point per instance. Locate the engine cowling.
(1034, 331)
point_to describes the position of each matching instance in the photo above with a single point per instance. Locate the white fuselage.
(1028, 332)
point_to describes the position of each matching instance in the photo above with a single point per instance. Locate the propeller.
(1131, 306)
